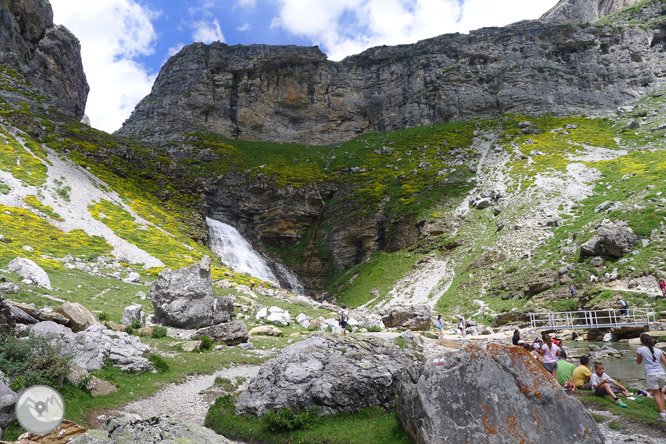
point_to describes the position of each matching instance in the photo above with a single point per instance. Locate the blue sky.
(126, 42)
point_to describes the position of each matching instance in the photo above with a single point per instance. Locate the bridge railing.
(592, 319)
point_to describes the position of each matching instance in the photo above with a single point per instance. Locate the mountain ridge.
(292, 94)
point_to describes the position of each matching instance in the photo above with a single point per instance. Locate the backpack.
(624, 304)
(343, 316)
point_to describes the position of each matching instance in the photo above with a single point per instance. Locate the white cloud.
(246, 27)
(247, 3)
(174, 49)
(346, 27)
(112, 34)
(207, 32)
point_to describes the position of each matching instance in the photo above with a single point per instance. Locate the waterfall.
(232, 248)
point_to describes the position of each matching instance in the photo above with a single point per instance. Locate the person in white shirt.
(652, 358)
(602, 384)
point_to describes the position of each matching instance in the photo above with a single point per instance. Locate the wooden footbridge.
(593, 319)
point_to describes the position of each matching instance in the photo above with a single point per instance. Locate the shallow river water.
(625, 370)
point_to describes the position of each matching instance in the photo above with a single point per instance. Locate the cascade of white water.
(238, 254)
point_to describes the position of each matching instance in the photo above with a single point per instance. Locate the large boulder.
(28, 269)
(592, 247)
(45, 314)
(90, 348)
(333, 373)
(231, 333)
(8, 400)
(157, 430)
(20, 316)
(540, 282)
(409, 317)
(79, 317)
(278, 316)
(184, 298)
(618, 238)
(493, 394)
(133, 313)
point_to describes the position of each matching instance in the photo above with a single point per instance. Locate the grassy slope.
(378, 427)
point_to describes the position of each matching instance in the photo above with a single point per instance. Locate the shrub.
(373, 329)
(103, 317)
(159, 332)
(160, 364)
(136, 324)
(33, 360)
(287, 419)
(206, 342)
(129, 330)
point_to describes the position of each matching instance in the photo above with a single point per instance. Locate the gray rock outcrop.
(90, 348)
(294, 94)
(8, 400)
(231, 333)
(184, 298)
(28, 269)
(133, 313)
(613, 238)
(157, 430)
(44, 314)
(575, 12)
(7, 323)
(47, 55)
(335, 374)
(411, 317)
(617, 238)
(492, 394)
(78, 316)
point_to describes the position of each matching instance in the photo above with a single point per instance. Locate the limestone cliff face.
(292, 94)
(47, 55)
(583, 11)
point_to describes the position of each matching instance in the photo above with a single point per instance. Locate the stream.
(625, 369)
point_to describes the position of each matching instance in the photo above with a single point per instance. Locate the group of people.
(462, 326)
(551, 354)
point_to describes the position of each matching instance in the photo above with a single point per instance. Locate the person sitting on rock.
(536, 352)
(565, 371)
(516, 340)
(581, 374)
(652, 358)
(550, 353)
(602, 384)
(563, 354)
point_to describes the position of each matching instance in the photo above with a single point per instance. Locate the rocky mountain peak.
(46, 55)
(583, 11)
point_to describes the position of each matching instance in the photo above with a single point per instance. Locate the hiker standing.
(662, 287)
(572, 290)
(550, 353)
(652, 358)
(440, 327)
(624, 307)
(343, 319)
(461, 326)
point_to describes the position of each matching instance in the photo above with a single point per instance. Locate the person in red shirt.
(662, 287)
